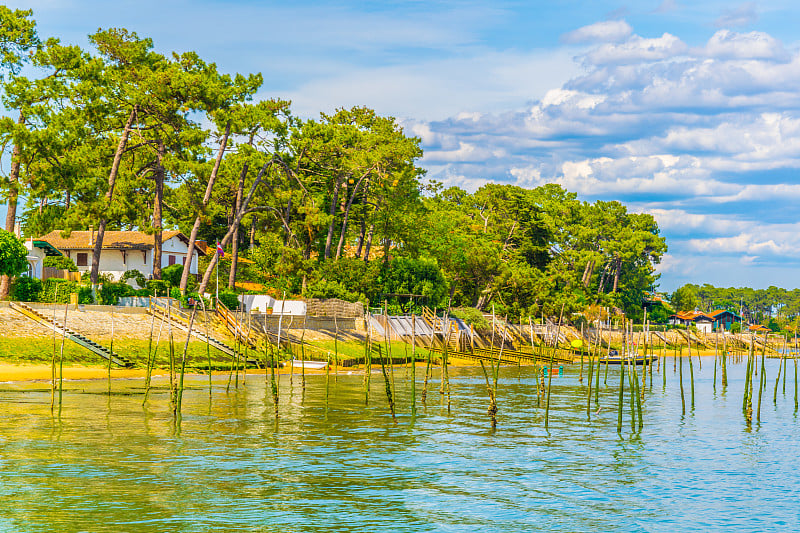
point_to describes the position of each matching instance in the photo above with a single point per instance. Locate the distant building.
(122, 251)
(723, 319)
(37, 251)
(702, 321)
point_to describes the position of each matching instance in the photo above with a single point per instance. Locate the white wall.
(35, 259)
(289, 307)
(256, 302)
(117, 262)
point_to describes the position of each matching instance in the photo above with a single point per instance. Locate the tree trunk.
(196, 227)
(235, 245)
(343, 233)
(226, 239)
(13, 194)
(602, 279)
(253, 231)
(332, 213)
(157, 206)
(617, 269)
(587, 273)
(361, 237)
(112, 180)
(369, 242)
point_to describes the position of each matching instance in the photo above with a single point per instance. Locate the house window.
(171, 259)
(83, 259)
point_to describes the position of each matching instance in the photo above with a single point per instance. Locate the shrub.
(172, 274)
(229, 299)
(65, 289)
(60, 262)
(472, 317)
(86, 277)
(25, 289)
(110, 293)
(12, 254)
(157, 287)
(736, 327)
(136, 276)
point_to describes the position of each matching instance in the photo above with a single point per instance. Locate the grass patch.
(40, 350)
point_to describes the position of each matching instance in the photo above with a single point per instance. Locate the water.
(109, 464)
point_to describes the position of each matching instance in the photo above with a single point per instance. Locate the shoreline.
(19, 372)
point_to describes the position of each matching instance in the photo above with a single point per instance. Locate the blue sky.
(686, 110)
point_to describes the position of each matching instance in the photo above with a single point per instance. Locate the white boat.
(311, 365)
(615, 358)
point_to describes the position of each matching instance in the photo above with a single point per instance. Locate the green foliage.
(135, 275)
(684, 299)
(172, 274)
(110, 293)
(404, 275)
(157, 287)
(25, 289)
(55, 290)
(12, 254)
(229, 299)
(471, 316)
(773, 325)
(101, 278)
(333, 289)
(342, 209)
(657, 314)
(60, 262)
(736, 327)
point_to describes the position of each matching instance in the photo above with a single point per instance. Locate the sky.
(689, 111)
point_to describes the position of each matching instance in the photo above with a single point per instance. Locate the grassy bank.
(40, 350)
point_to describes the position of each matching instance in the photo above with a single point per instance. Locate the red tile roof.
(112, 240)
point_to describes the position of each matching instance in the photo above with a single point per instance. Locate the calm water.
(112, 465)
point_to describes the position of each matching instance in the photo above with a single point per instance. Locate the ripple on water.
(113, 464)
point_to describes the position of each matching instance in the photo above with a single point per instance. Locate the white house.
(123, 250)
(35, 257)
(263, 302)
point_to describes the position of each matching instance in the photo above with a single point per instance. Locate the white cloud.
(753, 45)
(599, 32)
(439, 88)
(742, 15)
(637, 49)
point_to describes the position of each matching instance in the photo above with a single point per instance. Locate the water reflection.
(110, 463)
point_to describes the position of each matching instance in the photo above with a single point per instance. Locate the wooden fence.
(50, 272)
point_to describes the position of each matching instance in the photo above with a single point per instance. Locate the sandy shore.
(35, 372)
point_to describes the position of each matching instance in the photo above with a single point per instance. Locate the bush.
(12, 254)
(65, 288)
(110, 293)
(736, 327)
(172, 274)
(333, 289)
(136, 276)
(157, 287)
(86, 277)
(473, 317)
(229, 299)
(25, 289)
(60, 262)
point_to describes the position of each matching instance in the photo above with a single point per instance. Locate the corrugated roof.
(720, 311)
(112, 240)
